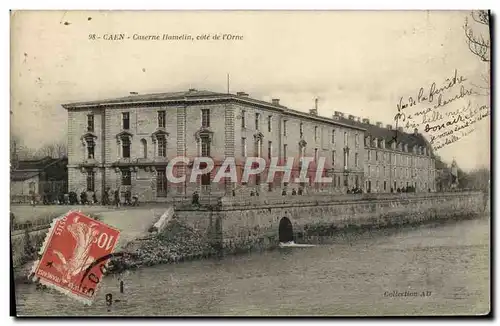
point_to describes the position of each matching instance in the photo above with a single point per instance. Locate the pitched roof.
(26, 169)
(389, 135)
(154, 97)
(36, 164)
(22, 175)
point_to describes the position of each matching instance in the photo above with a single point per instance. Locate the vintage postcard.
(250, 163)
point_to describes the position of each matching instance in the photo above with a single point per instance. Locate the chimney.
(389, 127)
(351, 117)
(242, 94)
(276, 101)
(313, 111)
(192, 89)
(400, 129)
(367, 121)
(337, 113)
(379, 124)
(415, 131)
(358, 119)
(133, 93)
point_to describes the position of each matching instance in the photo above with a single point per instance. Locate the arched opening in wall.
(144, 145)
(285, 231)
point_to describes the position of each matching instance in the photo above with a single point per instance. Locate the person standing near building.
(117, 198)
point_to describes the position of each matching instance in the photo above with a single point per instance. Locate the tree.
(57, 150)
(478, 43)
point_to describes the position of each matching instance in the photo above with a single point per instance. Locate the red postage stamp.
(74, 244)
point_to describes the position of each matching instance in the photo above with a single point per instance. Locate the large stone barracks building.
(126, 144)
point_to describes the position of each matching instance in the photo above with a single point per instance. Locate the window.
(333, 159)
(333, 136)
(315, 133)
(126, 148)
(90, 148)
(356, 159)
(90, 123)
(284, 127)
(269, 149)
(346, 159)
(144, 145)
(161, 183)
(356, 140)
(378, 172)
(243, 147)
(345, 139)
(346, 181)
(369, 155)
(301, 128)
(126, 120)
(376, 156)
(90, 180)
(161, 119)
(257, 120)
(205, 147)
(205, 118)
(284, 151)
(205, 179)
(162, 146)
(385, 185)
(357, 181)
(126, 178)
(243, 119)
(269, 123)
(316, 155)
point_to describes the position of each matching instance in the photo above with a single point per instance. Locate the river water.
(441, 269)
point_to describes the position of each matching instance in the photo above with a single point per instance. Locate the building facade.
(127, 143)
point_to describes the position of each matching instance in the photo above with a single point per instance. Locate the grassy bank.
(177, 242)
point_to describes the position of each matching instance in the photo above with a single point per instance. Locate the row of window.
(161, 118)
(126, 180)
(161, 181)
(406, 173)
(395, 186)
(402, 159)
(257, 121)
(126, 146)
(285, 131)
(258, 152)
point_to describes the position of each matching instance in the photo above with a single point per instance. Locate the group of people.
(109, 197)
(355, 190)
(405, 189)
(129, 199)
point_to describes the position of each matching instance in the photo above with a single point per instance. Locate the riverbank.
(175, 243)
(347, 278)
(231, 229)
(179, 242)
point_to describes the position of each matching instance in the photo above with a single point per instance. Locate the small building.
(40, 176)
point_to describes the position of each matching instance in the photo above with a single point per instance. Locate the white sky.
(356, 62)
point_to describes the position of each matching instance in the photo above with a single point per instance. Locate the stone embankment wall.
(240, 225)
